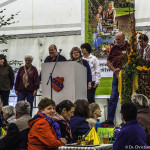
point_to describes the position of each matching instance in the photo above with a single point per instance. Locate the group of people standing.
(27, 80)
(26, 84)
(85, 58)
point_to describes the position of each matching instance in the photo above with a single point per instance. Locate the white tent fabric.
(40, 16)
(142, 14)
(38, 47)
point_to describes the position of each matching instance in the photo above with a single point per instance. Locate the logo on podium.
(57, 83)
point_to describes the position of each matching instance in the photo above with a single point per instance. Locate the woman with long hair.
(6, 79)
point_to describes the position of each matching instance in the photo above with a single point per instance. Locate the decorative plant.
(134, 66)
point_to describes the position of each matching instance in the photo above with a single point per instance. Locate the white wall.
(142, 12)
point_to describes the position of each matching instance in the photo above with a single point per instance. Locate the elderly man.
(115, 62)
(17, 134)
(53, 55)
(144, 47)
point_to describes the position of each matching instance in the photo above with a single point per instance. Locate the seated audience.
(131, 133)
(76, 55)
(65, 110)
(95, 112)
(2, 120)
(9, 113)
(44, 133)
(78, 124)
(143, 115)
(17, 134)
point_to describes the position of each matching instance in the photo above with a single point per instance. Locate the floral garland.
(132, 67)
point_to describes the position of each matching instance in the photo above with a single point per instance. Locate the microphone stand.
(51, 74)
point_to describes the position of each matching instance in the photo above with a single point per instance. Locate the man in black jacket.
(53, 55)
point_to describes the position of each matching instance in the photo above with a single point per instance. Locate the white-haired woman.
(17, 134)
(9, 113)
(143, 116)
(27, 81)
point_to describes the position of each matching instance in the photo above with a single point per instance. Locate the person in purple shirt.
(131, 134)
(27, 82)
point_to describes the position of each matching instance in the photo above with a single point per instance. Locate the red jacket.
(42, 136)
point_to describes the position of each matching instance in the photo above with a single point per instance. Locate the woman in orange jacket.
(44, 133)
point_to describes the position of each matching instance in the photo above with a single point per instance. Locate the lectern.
(75, 81)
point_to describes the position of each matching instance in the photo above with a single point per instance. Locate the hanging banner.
(103, 20)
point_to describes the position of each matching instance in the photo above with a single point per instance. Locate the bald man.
(53, 55)
(115, 62)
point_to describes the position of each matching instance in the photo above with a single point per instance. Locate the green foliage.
(129, 72)
(122, 11)
(105, 86)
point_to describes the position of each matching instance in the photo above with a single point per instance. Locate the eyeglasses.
(75, 53)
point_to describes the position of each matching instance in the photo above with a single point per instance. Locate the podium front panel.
(75, 81)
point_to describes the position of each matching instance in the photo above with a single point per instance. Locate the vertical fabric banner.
(103, 20)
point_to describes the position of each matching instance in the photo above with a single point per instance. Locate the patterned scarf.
(54, 124)
(25, 77)
(79, 60)
(59, 118)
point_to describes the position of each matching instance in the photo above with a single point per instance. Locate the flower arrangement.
(132, 69)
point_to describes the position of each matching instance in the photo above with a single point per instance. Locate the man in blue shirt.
(131, 135)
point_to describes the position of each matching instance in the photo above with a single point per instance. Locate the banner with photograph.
(103, 20)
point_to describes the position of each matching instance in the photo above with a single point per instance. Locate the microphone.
(60, 50)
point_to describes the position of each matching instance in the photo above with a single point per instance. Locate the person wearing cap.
(53, 53)
(6, 79)
(27, 82)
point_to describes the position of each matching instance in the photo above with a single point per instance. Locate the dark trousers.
(5, 97)
(30, 99)
(91, 94)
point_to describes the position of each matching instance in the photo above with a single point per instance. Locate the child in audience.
(95, 112)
